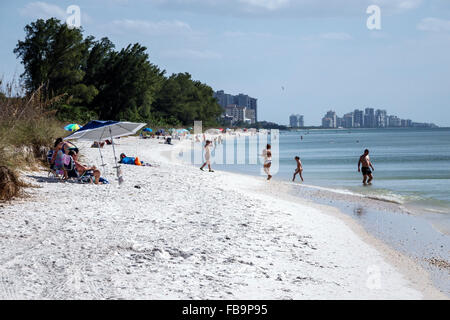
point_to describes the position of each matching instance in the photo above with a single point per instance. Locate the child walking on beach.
(267, 155)
(299, 169)
(207, 156)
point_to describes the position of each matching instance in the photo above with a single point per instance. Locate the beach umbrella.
(73, 127)
(102, 130)
(147, 130)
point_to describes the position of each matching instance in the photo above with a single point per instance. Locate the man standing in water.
(366, 165)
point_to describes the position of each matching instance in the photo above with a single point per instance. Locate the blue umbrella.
(148, 130)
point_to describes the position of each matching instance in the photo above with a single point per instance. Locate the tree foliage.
(101, 82)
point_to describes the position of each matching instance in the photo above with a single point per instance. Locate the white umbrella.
(102, 130)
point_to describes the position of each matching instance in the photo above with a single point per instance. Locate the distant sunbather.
(132, 160)
(97, 144)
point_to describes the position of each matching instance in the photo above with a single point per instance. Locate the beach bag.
(59, 162)
(50, 156)
(137, 162)
(103, 181)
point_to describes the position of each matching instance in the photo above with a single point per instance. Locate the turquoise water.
(412, 166)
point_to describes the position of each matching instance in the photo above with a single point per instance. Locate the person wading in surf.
(267, 155)
(364, 160)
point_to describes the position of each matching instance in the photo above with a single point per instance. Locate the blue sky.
(321, 52)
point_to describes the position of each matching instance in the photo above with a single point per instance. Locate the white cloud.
(335, 36)
(339, 36)
(293, 8)
(266, 4)
(399, 5)
(43, 10)
(193, 54)
(434, 25)
(240, 34)
(174, 27)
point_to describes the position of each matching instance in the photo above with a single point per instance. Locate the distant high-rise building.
(239, 114)
(369, 118)
(296, 121)
(380, 118)
(240, 100)
(301, 121)
(406, 123)
(358, 118)
(348, 120)
(293, 121)
(223, 98)
(395, 121)
(329, 120)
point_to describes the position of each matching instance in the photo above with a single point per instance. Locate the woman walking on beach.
(207, 156)
(299, 169)
(267, 154)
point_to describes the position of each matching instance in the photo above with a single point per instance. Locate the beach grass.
(27, 129)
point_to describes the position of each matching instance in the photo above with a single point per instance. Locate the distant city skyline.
(369, 118)
(295, 56)
(237, 108)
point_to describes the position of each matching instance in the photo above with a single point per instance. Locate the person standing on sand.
(366, 165)
(267, 155)
(207, 156)
(299, 169)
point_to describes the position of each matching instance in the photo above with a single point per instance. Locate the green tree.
(186, 100)
(101, 82)
(128, 85)
(52, 54)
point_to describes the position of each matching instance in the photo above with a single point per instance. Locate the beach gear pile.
(97, 131)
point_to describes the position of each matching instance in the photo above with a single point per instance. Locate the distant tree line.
(103, 83)
(258, 125)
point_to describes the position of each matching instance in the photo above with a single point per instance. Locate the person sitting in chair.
(83, 170)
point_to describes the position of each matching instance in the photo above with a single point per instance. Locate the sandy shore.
(172, 231)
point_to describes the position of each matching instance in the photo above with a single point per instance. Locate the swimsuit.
(366, 171)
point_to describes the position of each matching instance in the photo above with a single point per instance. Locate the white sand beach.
(187, 234)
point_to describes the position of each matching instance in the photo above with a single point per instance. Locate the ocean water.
(412, 166)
